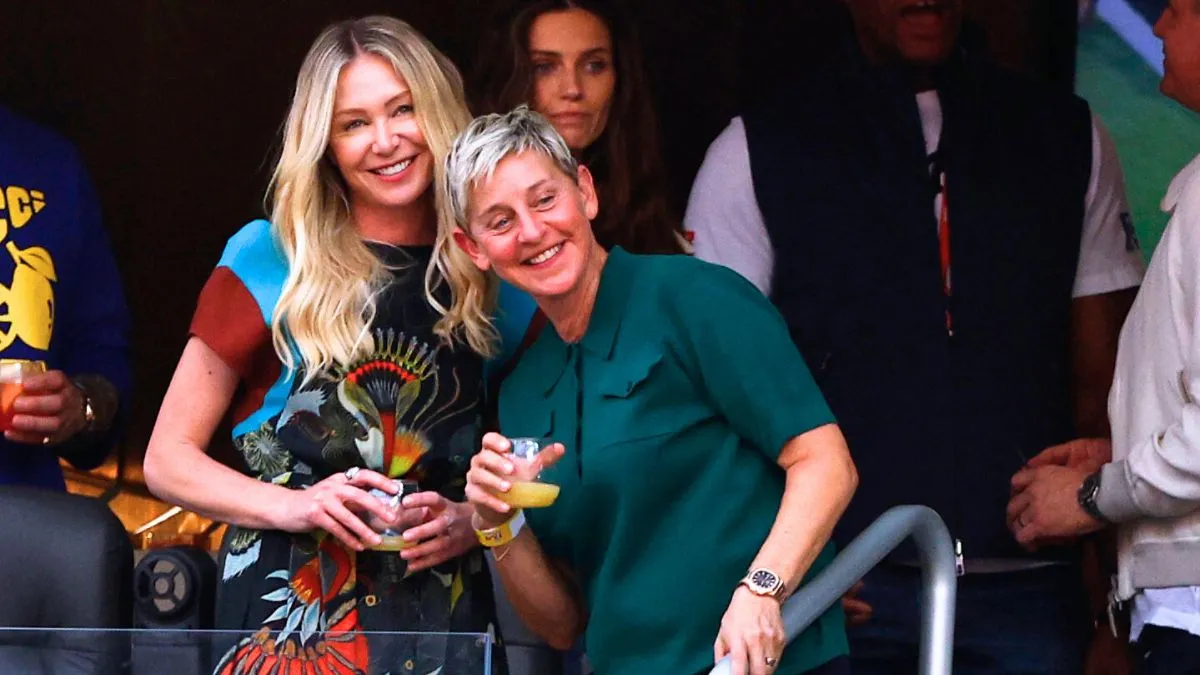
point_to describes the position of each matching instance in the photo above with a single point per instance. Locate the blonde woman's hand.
(751, 634)
(405, 518)
(443, 534)
(338, 505)
(492, 472)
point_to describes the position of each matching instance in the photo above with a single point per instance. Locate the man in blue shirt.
(60, 303)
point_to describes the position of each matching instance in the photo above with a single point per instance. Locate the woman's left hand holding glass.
(445, 533)
(751, 633)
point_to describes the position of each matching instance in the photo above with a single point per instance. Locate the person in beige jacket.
(1147, 482)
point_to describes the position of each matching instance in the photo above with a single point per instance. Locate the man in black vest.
(951, 248)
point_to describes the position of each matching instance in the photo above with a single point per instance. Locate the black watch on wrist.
(1087, 494)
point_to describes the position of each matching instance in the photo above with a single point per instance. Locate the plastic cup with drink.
(13, 374)
(528, 491)
(393, 539)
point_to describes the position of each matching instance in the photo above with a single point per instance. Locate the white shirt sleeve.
(728, 228)
(1110, 257)
(1160, 475)
(722, 212)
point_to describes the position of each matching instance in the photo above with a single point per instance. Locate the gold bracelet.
(498, 556)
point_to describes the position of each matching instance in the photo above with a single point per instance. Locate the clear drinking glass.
(528, 491)
(393, 539)
(13, 373)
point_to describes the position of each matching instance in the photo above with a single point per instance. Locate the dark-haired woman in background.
(578, 63)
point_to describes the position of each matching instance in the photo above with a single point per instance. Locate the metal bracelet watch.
(764, 582)
(1088, 491)
(89, 413)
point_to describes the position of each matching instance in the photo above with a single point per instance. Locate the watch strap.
(1087, 494)
(89, 411)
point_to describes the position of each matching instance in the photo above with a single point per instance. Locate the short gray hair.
(489, 139)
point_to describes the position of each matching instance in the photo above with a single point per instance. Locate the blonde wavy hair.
(328, 300)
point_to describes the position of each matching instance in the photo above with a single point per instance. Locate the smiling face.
(529, 223)
(573, 75)
(918, 32)
(375, 140)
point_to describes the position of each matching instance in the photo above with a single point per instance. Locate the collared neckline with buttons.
(612, 296)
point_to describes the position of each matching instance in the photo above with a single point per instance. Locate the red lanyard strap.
(944, 250)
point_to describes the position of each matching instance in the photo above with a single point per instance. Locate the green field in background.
(1155, 137)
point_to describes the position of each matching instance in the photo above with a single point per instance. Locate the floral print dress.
(410, 409)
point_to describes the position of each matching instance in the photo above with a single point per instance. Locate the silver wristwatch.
(89, 413)
(762, 581)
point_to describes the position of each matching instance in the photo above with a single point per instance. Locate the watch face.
(1087, 496)
(764, 580)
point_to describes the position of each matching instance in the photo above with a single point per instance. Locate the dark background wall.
(176, 104)
(1150, 9)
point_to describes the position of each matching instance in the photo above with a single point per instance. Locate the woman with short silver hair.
(699, 470)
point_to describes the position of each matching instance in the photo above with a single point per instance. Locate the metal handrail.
(935, 552)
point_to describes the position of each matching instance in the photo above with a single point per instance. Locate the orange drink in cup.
(13, 373)
(527, 490)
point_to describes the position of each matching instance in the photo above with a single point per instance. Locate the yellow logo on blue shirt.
(27, 304)
(21, 204)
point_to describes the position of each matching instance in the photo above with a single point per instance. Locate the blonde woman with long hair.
(326, 332)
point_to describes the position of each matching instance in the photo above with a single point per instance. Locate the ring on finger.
(352, 472)
(771, 661)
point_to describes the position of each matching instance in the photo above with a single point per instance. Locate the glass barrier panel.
(71, 651)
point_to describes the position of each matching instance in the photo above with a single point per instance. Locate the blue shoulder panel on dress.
(253, 255)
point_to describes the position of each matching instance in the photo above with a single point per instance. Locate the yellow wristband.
(504, 533)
